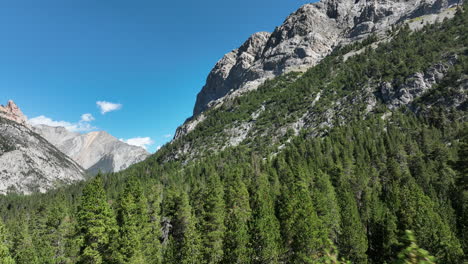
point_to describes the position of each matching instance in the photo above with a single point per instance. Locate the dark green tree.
(413, 254)
(303, 232)
(96, 223)
(131, 219)
(187, 244)
(265, 228)
(352, 240)
(5, 257)
(212, 223)
(151, 243)
(237, 238)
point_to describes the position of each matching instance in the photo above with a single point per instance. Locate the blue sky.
(58, 58)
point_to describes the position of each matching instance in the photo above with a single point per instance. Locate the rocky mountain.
(304, 39)
(317, 55)
(336, 161)
(95, 151)
(28, 162)
(12, 112)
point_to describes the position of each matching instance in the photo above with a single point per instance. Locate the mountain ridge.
(29, 163)
(91, 149)
(305, 37)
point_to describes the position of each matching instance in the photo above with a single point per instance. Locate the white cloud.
(143, 142)
(108, 106)
(158, 147)
(87, 117)
(81, 126)
(167, 136)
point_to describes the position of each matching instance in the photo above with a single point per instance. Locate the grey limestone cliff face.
(305, 38)
(95, 151)
(414, 86)
(29, 163)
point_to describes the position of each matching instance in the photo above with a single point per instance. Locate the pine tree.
(236, 241)
(5, 257)
(212, 223)
(96, 224)
(265, 231)
(131, 217)
(50, 232)
(302, 230)
(187, 244)
(326, 204)
(413, 254)
(151, 244)
(23, 247)
(352, 240)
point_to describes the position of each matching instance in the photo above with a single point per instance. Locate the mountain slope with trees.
(321, 177)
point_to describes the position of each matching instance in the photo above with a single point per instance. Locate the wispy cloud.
(167, 136)
(106, 107)
(87, 117)
(143, 142)
(81, 126)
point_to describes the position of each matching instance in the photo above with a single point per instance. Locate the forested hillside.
(379, 184)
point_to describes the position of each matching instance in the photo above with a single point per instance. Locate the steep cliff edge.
(417, 65)
(305, 38)
(29, 163)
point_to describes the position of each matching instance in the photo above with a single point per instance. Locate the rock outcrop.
(12, 112)
(28, 162)
(305, 38)
(414, 86)
(95, 151)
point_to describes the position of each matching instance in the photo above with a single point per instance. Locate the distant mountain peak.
(95, 151)
(12, 112)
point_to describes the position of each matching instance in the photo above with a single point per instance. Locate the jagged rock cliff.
(29, 163)
(305, 38)
(95, 151)
(324, 89)
(12, 112)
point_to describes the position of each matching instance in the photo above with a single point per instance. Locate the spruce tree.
(151, 244)
(303, 233)
(265, 228)
(326, 204)
(212, 223)
(413, 254)
(236, 240)
(187, 244)
(352, 240)
(131, 217)
(5, 257)
(96, 223)
(23, 246)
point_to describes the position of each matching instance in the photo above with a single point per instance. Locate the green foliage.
(131, 219)
(413, 254)
(353, 240)
(187, 247)
(212, 217)
(265, 229)
(282, 196)
(238, 213)
(96, 223)
(5, 257)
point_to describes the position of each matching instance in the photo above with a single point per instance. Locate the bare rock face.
(230, 71)
(95, 151)
(29, 163)
(305, 38)
(12, 112)
(414, 86)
